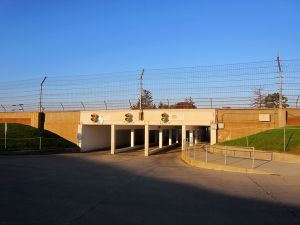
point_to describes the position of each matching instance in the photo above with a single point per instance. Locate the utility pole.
(141, 117)
(41, 115)
(41, 93)
(280, 76)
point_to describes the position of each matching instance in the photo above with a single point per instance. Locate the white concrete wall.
(94, 137)
(200, 117)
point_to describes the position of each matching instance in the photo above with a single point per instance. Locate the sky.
(63, 38)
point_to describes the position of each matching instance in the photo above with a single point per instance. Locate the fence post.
(206, 153)
(252, 157)
(225, 155)
(284, 139)
(5, 132)
(194, 153)
(40, 147)
(247, 141)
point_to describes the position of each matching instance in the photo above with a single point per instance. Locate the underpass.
(158, 130)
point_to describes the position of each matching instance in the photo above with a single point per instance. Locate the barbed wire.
(212, 86)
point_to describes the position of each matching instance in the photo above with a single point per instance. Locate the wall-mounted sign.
(164, 117)
(128, 117)
(94, 117)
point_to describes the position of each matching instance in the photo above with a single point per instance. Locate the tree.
(147, 101)
(258, 99)
(188, 103)
(272, 101)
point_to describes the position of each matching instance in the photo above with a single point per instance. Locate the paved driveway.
(97, 188)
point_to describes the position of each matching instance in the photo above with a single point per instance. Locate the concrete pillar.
(113, 139)
(79, 135)
(213, 134)
(191, 137)
(282, 118)
(196, 136)
(146, 140)
(170, 136)
(132, 138)
(183, 136)
(160, 138)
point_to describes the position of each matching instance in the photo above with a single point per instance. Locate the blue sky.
(40, 38)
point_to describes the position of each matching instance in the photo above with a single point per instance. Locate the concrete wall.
(26, 118)
(237, 122)
(243, 122)
(293, 117)
(94, 137)
(202, 117)
(62, 123)
(65, 124)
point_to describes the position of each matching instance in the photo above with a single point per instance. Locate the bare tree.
(258, 98)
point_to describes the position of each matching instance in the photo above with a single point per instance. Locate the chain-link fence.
(214, 86)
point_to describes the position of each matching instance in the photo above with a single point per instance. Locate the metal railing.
(247, 156)
(32, 143)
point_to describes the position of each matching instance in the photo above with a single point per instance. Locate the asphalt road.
(128, 188)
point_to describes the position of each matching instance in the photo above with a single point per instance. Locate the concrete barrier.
(285, 157)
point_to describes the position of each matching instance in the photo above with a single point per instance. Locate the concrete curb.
(286, 157)
(218, 167)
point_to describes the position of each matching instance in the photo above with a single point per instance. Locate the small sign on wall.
(264, 117)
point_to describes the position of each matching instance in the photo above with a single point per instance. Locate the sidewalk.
(272, 167)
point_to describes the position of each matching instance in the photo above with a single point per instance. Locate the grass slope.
(23, 137)
(271, 140)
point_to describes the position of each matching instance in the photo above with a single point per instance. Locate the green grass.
(18, 134)
(271, 140)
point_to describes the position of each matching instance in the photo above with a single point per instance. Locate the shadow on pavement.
(64, 189)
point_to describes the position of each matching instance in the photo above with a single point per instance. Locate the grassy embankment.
(272, 140)
(22, 137)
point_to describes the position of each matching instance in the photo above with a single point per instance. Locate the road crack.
(269, 194)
